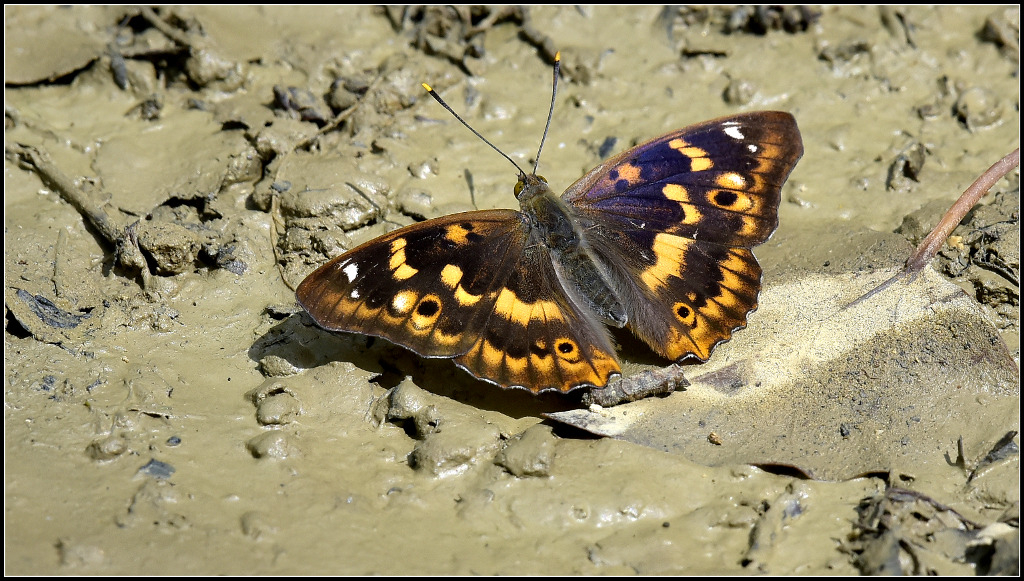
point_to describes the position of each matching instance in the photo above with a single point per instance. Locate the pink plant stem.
(930, 246)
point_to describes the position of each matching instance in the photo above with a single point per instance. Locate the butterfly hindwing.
(674, 219)
(535, 337)
(465, 287)
(682, 296)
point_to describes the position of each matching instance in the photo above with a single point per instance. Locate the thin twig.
(275, 213)
(122, 238)
(932, 243)
(341, 117)
(659, 381)
(39, 161)
(930, 246)
(169, 31)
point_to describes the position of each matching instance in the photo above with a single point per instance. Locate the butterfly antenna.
(438, 98)
(551, 109)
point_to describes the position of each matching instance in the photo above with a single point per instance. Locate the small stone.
(978, 108)
(530, 455)
(739, 92)
(278, 409)
(455, 447)
(156, 469)
(107, 448)
(416, 203)
(340, 98)
(405, 401)
(277, 366)
(264, 390)
(341, 206)
(272, 444)
(171, 247)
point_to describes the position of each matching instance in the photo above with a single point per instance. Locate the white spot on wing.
(400, 302)
(734, 132)
(351, 271)
(752, 148)
(354, 294)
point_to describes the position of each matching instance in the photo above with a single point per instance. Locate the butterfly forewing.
(466, 287)
(674, 219)
(719, 180)
(416, 285)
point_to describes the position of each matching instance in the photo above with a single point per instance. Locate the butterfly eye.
(519, 188)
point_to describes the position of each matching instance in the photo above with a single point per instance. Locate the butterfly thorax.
(554, 227)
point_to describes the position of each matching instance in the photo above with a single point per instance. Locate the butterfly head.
(529, 186)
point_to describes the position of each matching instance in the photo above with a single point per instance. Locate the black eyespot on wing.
(725, 198)
(428, 308)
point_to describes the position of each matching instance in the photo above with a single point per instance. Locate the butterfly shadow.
(298, 342)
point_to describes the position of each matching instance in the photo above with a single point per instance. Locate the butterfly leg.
(626, 389)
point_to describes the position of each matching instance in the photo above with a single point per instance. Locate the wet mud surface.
(171, 176)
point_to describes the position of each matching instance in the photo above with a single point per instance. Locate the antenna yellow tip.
(558, 56)
(427, 87)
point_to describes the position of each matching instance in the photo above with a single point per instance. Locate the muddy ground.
(171, 176)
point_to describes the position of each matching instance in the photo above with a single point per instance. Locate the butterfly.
(656, 239)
